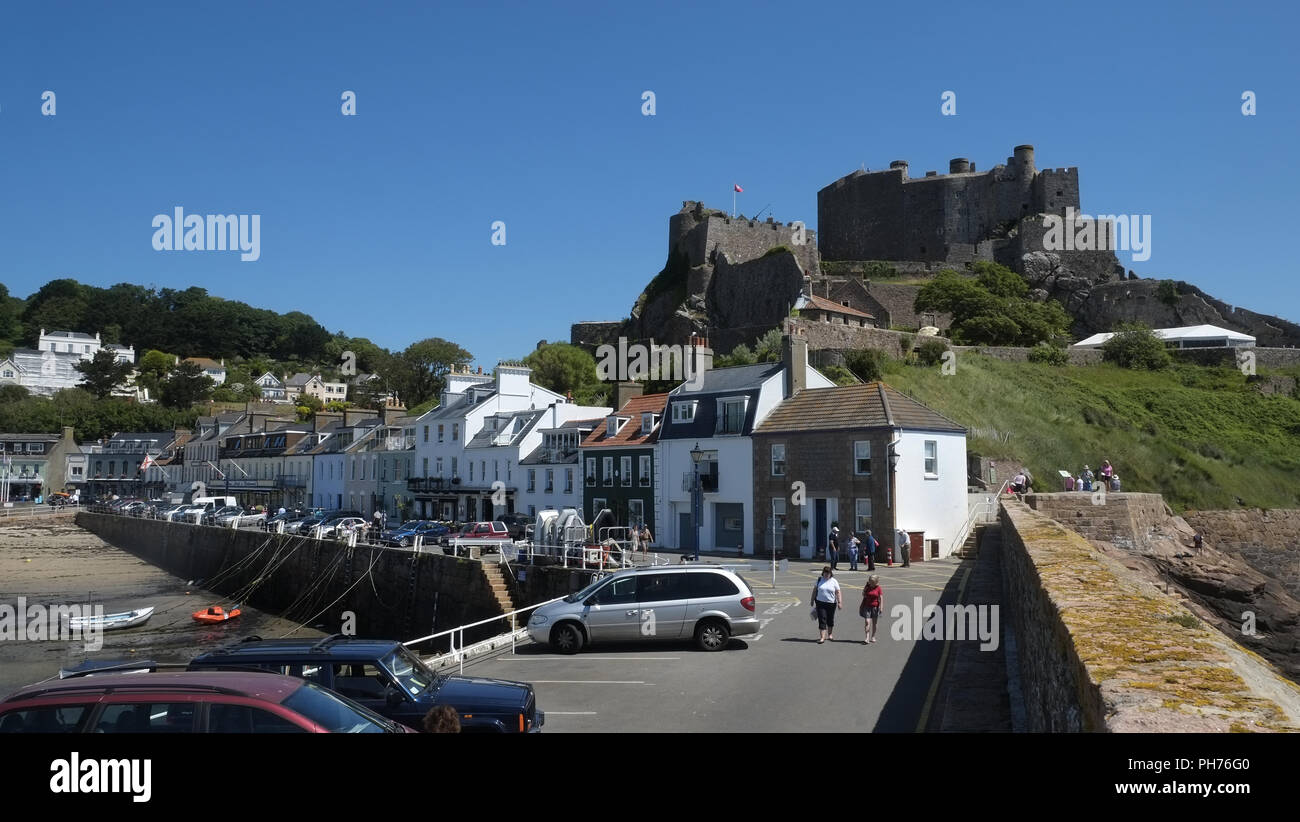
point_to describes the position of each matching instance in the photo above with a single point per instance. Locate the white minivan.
(204, 505)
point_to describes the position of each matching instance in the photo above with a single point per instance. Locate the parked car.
(476, 531)
(404, 535)
(212, 515)
(58, 499)
(707, 602)
(186, 702)
(341, 527)
(179, 513)
(240, 518)
(387, 678)
(305, 525)
(516, 524)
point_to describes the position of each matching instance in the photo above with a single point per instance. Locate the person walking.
(646, 538)
(870, 546)
(833, 548)
(827, 599)
(872, 601)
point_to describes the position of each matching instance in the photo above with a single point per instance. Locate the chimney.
(352, 416)
(700, 357)
(68, 435)
(795, 359)
(625, 391)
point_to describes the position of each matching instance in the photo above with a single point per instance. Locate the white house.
(1187, 336)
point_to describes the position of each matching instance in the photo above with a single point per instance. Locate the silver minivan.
(707, 602)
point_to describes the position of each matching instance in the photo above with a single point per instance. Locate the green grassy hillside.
(1202, 437)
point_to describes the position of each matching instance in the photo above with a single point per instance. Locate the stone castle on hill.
(731, 279)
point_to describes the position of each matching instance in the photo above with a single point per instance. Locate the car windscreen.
(410, 673)
(333, 712)
(586, 592)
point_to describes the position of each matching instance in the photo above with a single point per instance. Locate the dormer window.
(647, 423)
(684, 411)
(611, 426)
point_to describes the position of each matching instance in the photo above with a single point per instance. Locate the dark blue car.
(404, 535)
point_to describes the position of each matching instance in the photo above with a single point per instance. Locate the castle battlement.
(960, 216)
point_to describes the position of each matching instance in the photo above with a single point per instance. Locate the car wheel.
(406, 543)
(566, 638)
(712, 635)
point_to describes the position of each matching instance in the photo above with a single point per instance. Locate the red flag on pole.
(738, 188)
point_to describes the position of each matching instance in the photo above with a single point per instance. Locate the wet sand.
(57, 563)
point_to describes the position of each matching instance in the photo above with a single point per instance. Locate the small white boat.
(111, 622)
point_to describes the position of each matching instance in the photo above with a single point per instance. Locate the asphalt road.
(777, 680)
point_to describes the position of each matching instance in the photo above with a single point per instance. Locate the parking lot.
(777, 680)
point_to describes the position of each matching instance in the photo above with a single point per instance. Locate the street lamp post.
(697, 497)
(893, 489)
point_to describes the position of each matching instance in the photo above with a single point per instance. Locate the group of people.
(827, 598)
(1106, 479)
(868, 547)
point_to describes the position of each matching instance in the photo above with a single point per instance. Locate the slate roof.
(630, 433)
(70, 335)
(868, 405)
(734, 379)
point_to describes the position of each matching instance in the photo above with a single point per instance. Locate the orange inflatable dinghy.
(216, 614)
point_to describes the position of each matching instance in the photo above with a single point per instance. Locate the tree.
(13, 393)
(154, 367)
(419, 373)
(993, 308)
(565, 368)
(186, 385)
(11, 312)
(102, 373)
(1136, 346)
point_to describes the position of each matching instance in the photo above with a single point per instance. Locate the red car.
(186, 702)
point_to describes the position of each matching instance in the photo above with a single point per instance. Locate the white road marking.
(590, 658)
(570, 713)
(590, 682)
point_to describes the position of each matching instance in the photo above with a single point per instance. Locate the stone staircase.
(970, 549)
(497, 582)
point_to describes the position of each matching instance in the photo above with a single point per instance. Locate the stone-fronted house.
(837, 442)
(620, 459)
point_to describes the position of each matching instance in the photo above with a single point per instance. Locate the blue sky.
(530, 113)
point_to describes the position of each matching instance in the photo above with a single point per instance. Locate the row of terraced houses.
(782, 455)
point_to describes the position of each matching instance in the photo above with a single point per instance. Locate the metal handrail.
(975, 512)
(453, 633)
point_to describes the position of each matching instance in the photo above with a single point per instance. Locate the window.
(9, 375)
(731, 416)
(635, 512)
(777, 527)
(353, 464)
(424, 468)
(482, 470)
(862, 458)
(550, 480)
(454, 470)
(607, 471)
(611, 426)
(620, 591)
(683, 411)
(699, 586)
(437, 464)
(112, 464)
(426, 433)
(645, 471)
(862, 520)
(496, 469)
(778, 460)
(568, 480)
(591, 470)
(932, 458)
(471, 470)
(532, 480)
(647, 423)
(625, 471)
(455, 431)
(226, 719)
(35, 447)
(147, 717)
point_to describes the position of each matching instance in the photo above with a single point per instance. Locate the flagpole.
(733, 201)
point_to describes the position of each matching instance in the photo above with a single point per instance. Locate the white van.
(204, 505)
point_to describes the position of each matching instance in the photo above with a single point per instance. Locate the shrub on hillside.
(931, 351)
(839, 375)
(867, 365)
(1136, 346)
(1049, 355)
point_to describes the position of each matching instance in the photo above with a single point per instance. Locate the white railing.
(456, 636)
(984, 508)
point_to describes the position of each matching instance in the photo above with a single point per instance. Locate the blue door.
(820, 533)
